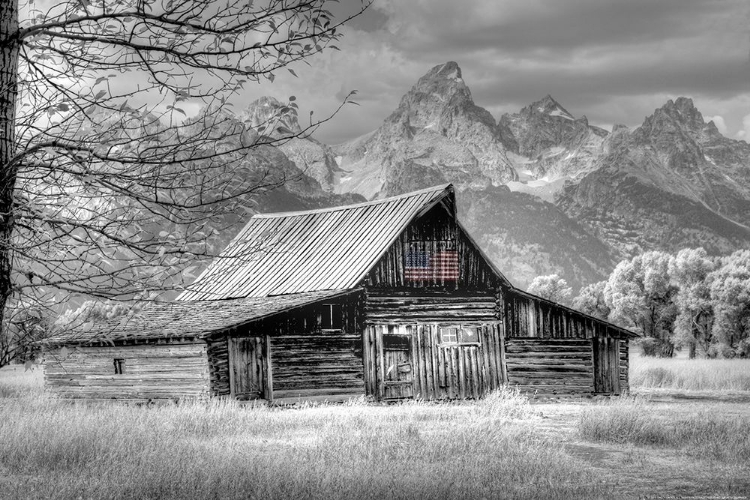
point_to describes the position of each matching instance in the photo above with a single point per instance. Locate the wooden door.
(248, 368)
(606, 365)
(398, 372)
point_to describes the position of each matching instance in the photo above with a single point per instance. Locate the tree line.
(688, 299)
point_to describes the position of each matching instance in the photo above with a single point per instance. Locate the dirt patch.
(649, 471)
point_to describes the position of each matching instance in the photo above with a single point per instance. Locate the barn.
(391, 299)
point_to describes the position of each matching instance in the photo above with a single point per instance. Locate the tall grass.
(703, 433)
(689, 374)
(54, 449)
(16, 380)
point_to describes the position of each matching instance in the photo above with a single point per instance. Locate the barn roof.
(294, 252)
(185, 319)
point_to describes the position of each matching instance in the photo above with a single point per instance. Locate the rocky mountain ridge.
(543, 191)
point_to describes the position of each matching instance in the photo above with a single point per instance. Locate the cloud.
(744, 133)
(719, 122)
(614, 61)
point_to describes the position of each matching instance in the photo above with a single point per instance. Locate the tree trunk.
(8, 96)
(691, 352)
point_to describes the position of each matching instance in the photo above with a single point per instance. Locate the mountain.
(543, 191)
(671, 183)
(552, 147)
(435, 134)
(279, 122)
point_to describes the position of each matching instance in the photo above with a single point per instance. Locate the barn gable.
(434, 252)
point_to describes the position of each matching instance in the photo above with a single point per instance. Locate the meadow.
(504, 446)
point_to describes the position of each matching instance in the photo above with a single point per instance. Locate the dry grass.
(705, 434)
(16, 381)
(689, 374)
(500, 447)
(53, 449)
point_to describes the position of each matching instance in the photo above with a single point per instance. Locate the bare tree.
(118, 160)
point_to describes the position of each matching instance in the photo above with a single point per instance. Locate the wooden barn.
(390, 299)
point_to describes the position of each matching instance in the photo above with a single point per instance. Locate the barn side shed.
(392, 299)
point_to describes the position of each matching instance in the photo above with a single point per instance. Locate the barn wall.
(385, 306)
(624, 366)
(309, 357)
(218, 356)
(431, 230)
(314, 365)
(149, 372)
(550, 366)
(404, 357)
(533, 317)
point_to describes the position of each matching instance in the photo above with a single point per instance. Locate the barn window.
(449, 335)
(331, 317)
(119, 366)
(459, 335)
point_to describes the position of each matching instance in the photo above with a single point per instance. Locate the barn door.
(397, 369)
(247, 373)
(606, 365)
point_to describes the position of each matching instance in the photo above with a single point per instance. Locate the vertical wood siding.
(436, 371)
(531, 317)
(550, 366)
(218, 364)
(624, 366)
(149, 372)
(248, 374)
(435, 226)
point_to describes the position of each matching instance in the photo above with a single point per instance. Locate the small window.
(119, 366)
(331, 317)
(459, 335)
(449, 335)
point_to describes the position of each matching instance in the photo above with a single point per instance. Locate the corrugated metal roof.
(188, 318)
(294, 252)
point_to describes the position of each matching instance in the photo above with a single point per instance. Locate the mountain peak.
(683, 111)
(551, 107)
(446, 71)
(439, 88)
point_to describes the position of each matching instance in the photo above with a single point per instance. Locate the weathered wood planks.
(149, 371)
(550, 366)
(302, 363)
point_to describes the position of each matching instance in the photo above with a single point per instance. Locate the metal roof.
(186, 319)
(294, 252)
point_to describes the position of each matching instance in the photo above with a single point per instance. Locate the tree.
(689, 271)
(551, 287)
(730, 294)
(639, 293)
(591, 301)
(118, 158)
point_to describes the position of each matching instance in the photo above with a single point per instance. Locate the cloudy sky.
(614, 61)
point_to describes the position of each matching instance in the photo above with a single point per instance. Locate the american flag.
(440, 265)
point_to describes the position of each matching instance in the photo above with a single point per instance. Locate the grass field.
(500, 447)
(689, 374)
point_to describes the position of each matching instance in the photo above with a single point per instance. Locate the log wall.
(149, 371)
(394, 307)
(550, 366)
(316, 365)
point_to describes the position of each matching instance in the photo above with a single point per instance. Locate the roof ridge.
(438, 188)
